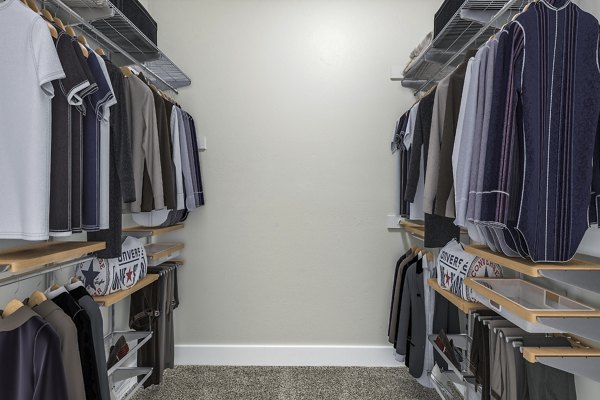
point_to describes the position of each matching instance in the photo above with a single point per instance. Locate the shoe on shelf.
(117, 352)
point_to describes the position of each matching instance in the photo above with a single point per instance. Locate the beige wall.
(298, 108)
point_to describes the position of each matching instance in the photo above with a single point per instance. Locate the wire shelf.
(469, 28)
(105, 24)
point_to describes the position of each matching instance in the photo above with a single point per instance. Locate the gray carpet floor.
(286, 383)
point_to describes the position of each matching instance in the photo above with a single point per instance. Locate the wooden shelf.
(463, 305)
(528, 267)
(156, 251)
(414, 229)
(144, 231)
(112, 299)
(532, 353)
(47, 253)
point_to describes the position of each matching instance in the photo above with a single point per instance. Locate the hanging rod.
(116, 47)
(35, 272)
(467, 45)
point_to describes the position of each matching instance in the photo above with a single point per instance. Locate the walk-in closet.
(286, 200)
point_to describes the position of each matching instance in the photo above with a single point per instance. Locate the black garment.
(77, 140)
(396, 281)
(412, 334)
(122, 188)
(544, 382)
(439, 230)
(199, 198)
(65, 93)
(85, 301)
(32, 366)
(420, 144)
(86, 344)
(152, 309)
(403, 157)
(479, 360)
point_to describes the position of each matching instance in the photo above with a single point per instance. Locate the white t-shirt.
(28, 65)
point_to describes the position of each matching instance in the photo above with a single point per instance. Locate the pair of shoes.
(447, 347)
(117, 352)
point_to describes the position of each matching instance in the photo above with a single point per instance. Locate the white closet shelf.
(112, 30)
(159, 253)
(114, 298)
(40, 254)
(536, 309)
(470, 27)
(131, 372)
(141, 337)
(578, 361)
(463, 305)
(143, 231)
(580, 273)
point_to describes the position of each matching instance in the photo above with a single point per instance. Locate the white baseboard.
(283, 355)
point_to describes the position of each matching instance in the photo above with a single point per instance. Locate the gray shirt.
(67, 333)
(144, 141)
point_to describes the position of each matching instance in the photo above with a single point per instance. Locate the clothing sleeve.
(433, 157)
(404, 318)
(414, 163)
(152, 152)
(502, 127)
(75, 80)
(177, 160)
(46, 59)
(49, 373)
(122, 145)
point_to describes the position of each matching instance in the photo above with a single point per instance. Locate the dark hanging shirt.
(32, 366)
(86, 344)
(122, 188)
(551, 93)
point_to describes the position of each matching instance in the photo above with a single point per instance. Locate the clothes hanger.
(127, 72)
(71, 32)
(60, 24)
(81, 39)
(11, 307)
(100, 51)
(34, 7)
(36, 298)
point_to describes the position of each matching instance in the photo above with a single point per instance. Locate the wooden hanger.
(11, 307)
(75, 279)
(32, 5)
(71, 32)
(36, 298)
(81, 39)
(60, 24)
(47, 15)
(54, 287)
(126, 72)
(100, 51)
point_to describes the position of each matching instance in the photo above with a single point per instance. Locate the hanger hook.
(18, 287)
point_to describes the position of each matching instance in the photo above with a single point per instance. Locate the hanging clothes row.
(512, 149)
(500, 369)
(415, 312)
(62, 332)
(83, 137)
